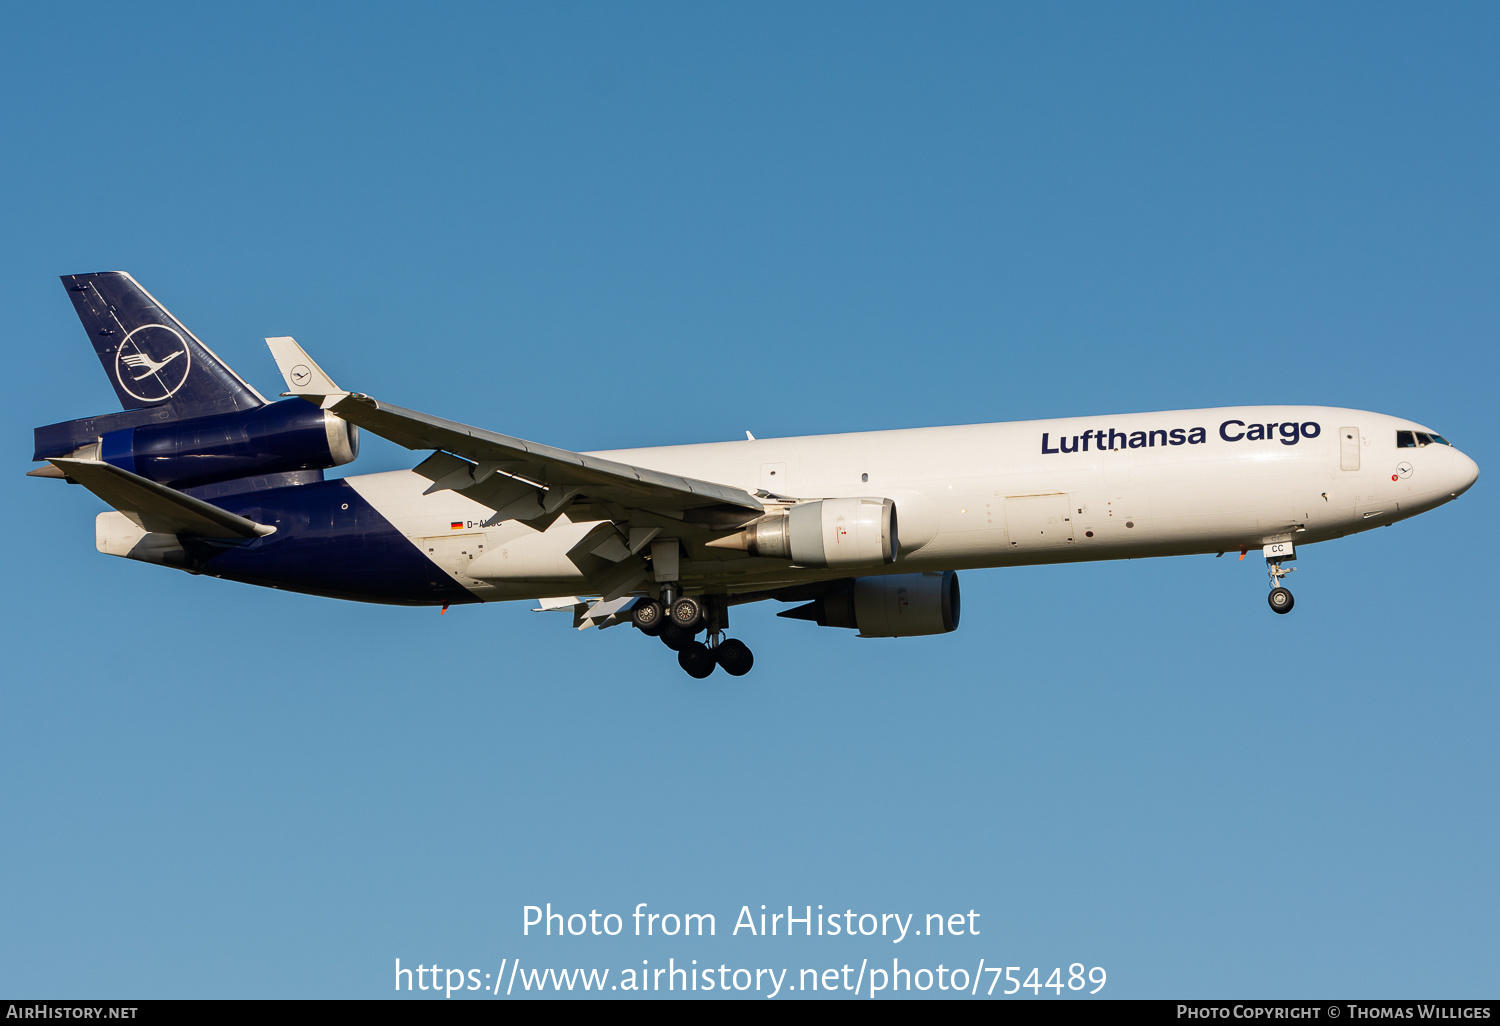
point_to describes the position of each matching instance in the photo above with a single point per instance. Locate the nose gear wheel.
(1280, 599)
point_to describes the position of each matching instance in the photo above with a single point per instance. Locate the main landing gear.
(679, 622)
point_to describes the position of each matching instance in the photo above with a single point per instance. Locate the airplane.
(864, 531)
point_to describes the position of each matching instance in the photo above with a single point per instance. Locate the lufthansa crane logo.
(152, 363)
(301, 375)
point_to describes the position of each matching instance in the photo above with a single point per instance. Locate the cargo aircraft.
(863, 531)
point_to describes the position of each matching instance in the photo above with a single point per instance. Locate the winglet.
(304, 378)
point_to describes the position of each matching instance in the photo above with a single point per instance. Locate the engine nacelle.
(893, 606)
(271, 439)
(828, 532)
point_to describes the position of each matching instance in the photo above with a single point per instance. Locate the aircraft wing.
(155, 507)
(560, 470)
(518, 479)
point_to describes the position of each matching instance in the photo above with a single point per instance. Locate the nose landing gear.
(1280, 598)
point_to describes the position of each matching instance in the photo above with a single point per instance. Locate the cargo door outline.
(1039, 521)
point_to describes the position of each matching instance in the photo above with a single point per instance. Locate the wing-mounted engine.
(825, 532)
(891, 606)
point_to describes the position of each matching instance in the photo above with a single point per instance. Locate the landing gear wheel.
(649, 618)
(735, 656)
(696, 658)
(1280, 600)
(673, 636)
(687, 613)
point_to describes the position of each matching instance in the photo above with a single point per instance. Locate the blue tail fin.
(152, 361)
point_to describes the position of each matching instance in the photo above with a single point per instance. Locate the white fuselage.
(986, 495)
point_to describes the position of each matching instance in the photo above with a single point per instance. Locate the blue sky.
(619, 225)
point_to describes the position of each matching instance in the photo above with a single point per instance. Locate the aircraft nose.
(1465, 475)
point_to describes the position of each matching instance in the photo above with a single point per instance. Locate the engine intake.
(892, 606)
(827, 532)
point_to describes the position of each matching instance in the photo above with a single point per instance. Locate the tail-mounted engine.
(271, 439)
(828, 532)
(893, 606)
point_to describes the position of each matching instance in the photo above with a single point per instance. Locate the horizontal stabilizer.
(155, 507)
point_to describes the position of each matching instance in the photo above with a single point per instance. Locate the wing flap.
(156, 508)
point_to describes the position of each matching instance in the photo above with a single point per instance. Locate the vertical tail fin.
(152, 360)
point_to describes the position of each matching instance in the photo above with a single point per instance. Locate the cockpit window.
(1418, 439)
